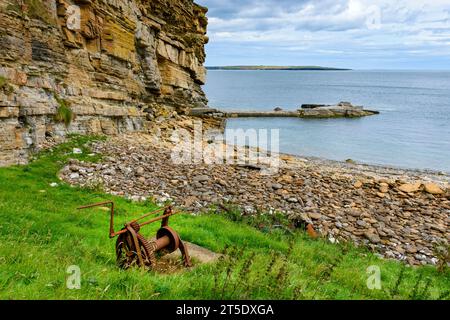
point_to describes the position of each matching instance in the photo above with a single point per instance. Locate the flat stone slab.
(198, 254)
(340, 110)
(325, 112)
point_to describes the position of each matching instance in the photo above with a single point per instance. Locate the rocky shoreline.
(399, 213)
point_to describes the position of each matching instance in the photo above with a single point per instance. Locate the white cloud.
(333, 27)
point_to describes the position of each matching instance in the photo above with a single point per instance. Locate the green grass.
(64, 113)
(42, 234)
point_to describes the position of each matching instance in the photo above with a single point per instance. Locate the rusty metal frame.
(135, 247)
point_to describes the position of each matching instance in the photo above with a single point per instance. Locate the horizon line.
(339, 68)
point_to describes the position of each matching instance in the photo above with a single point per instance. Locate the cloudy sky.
(358, 34)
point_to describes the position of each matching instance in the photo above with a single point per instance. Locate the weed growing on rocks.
(64, 113)
(442, 252)
(38, 10)
(5, 86)
(264, 221)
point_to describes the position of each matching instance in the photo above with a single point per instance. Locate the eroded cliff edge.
(127, 62)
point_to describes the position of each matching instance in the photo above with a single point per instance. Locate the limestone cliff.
(104, 66)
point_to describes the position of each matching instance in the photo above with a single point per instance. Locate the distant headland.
(287, 68)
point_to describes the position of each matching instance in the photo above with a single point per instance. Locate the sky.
(356, 34)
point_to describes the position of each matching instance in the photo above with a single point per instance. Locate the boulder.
(315, 215)
(358, 184)
(201, 178)
(277, 186)
(384, 187)
(372, 237)
(410, 187)
(433, 188)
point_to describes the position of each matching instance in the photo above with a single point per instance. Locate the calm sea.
(412, 131)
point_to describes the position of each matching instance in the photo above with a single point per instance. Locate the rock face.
(114, 64)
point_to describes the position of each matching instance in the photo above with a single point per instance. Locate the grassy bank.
(42, 234)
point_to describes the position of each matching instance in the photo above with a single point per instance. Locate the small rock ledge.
(341, 110)
(308, 111)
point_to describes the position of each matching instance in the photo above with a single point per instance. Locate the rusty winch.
(133, 249)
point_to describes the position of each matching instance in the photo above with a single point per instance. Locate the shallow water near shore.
(412, 131)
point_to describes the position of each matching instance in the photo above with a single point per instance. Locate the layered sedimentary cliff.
(104, 66)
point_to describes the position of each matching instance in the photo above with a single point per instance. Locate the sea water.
(412, 131)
